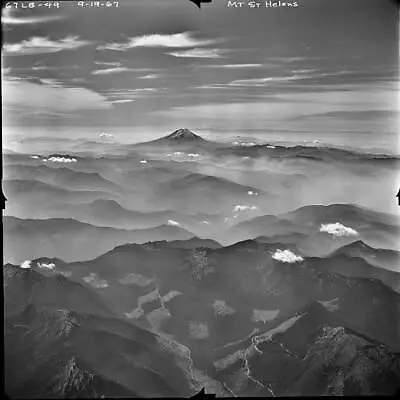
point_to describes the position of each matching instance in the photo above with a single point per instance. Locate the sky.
(325, 67)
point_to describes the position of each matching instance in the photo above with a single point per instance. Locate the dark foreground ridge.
(203, 395)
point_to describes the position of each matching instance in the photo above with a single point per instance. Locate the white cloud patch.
(171, 295)
(264, 81)
(121, 101)
(231, 66)
(135, 314)
(331, 305)
(149, 297)
(173, 223)
(283, 327)
(198, 330)
(297, 76)
(286, 256)
(61, 160)
(264, 315)
(108, 63)
(9, 19)
(221, 308)
(338, 230)
(198, 53)
(156, 317)
(50, 266)
(26, 264)
(239, 208)
(43, 45)
(95, 281)
(51, 82)
(107, 135)
(230, 359)
(115, 70)
(136, 279)
(177, 40)
(57, 68)
(67, 274)
(45, 98)
(150, 76)
(123, 95)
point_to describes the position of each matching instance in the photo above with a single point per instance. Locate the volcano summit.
(182, 135)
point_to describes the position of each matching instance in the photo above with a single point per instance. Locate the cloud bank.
(338, 230)
(286, 256)
(43, 45)
(177, 40)
(198, 53)
(8, 19)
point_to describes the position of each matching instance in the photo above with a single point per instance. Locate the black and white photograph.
(201, 198)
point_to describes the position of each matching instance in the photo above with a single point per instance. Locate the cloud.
(171, 295)
(8, 19)
(136, 279)
(150, 76)
(47, 98)
(244, 208)
(135, 314)
(283, 106)
(128, 95)
(287, 59)
(154, 295)
(198, 330)
(120, 101)
(110, 64)
(48, 68)
(214, 86)
(338, 230)
(177, 40)
(43, 45)
(198, 53)
(173, 223)
(231, 66)
(157, 317)
(221, 308)
(110, 71)
(263, 81)
(95, 281)
(299, 75)
(50, 266)
(61, 159)
(26, 264)
(331, 305)
(130, 91)
(51, 82)
(107, 135)
(286, 256)
(264, 315)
